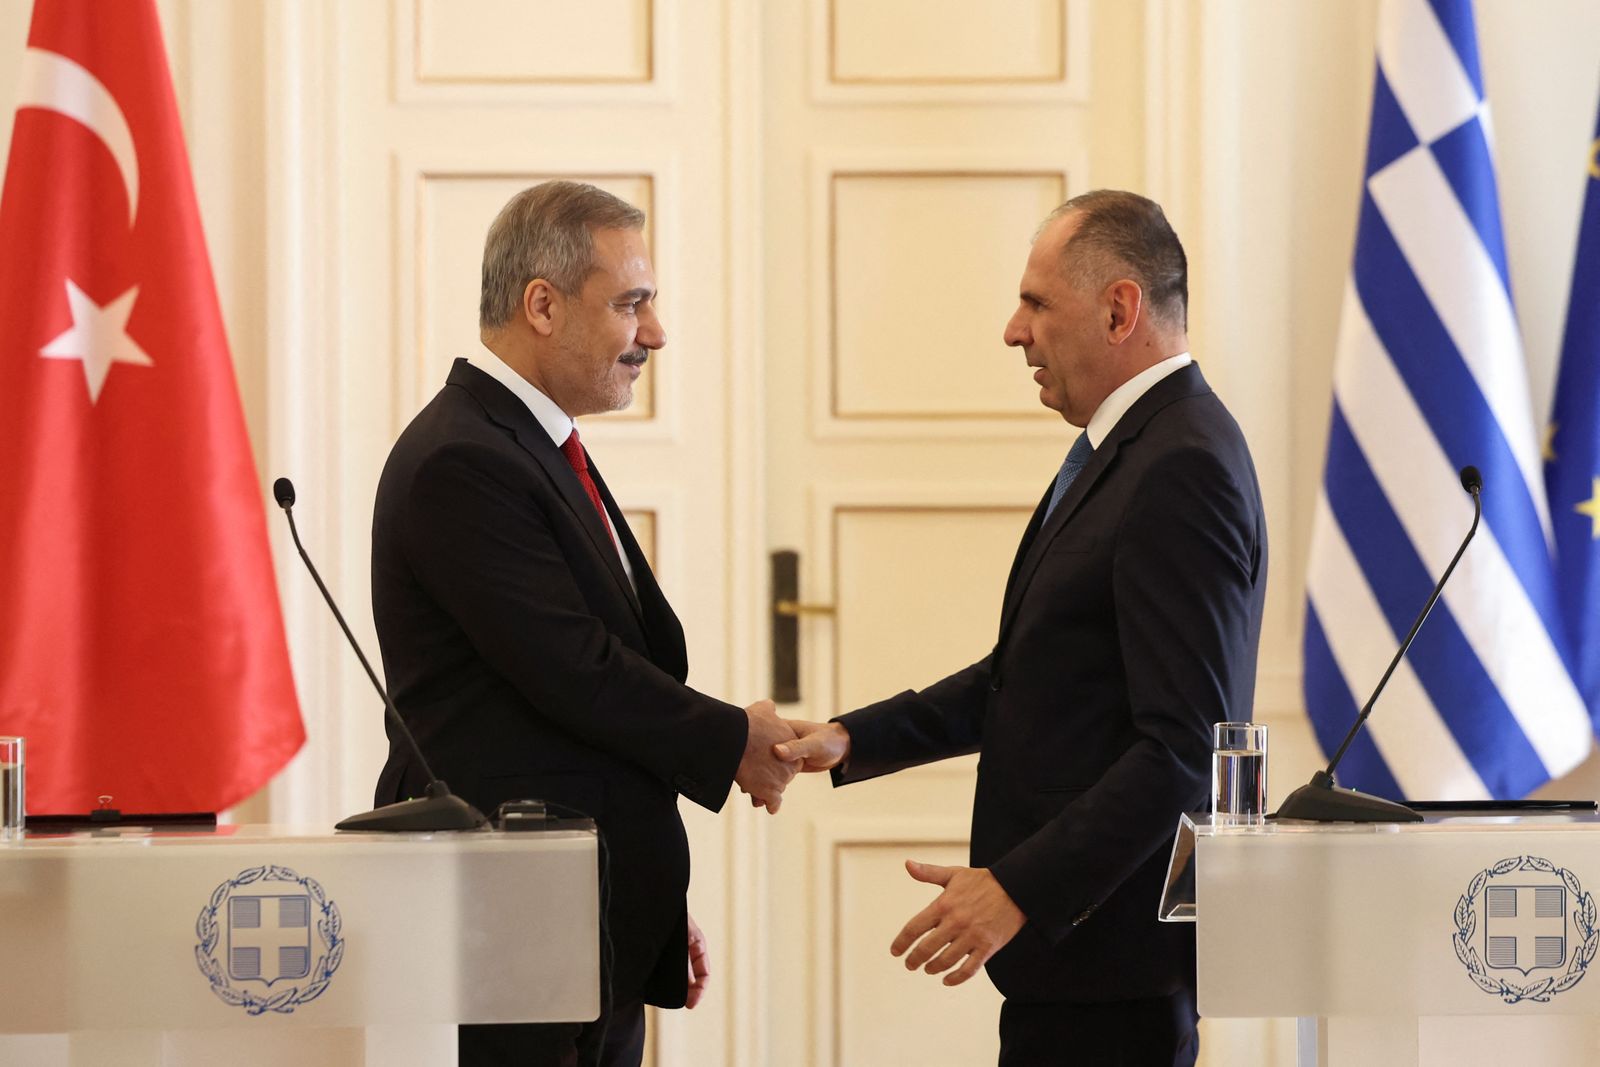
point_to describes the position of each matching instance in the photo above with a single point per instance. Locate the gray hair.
(1125, 235)
(546, 231)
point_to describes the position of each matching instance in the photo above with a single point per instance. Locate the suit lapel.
(1033, 552)
(1028, 536)
(511, 413)
(1187, 381)
(662, 629)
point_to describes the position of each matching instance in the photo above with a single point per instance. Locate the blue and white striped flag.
(1572, 470)
(1430, 378)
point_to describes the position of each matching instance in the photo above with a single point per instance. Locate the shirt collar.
(1113, 407)
(557, 423)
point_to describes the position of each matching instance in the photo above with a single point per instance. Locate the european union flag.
(1572, 456)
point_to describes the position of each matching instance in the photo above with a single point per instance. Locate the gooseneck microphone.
(438, 809)
(1320, 800)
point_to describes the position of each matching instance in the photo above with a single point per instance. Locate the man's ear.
(1124, 305)
(541, 306)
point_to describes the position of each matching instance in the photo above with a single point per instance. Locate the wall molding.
(303, 322)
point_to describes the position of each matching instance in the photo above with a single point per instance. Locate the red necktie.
(572, 448)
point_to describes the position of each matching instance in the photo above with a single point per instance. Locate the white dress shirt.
(1113, 407)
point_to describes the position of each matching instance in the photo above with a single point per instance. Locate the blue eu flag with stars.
(1572, 453)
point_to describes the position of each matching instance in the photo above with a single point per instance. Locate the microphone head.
(1471, 480)
(283, 491)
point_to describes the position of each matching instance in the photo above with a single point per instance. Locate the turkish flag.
(142, 650)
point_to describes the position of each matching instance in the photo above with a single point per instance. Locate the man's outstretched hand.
(967, 923)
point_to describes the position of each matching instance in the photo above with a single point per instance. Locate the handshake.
(777, 749)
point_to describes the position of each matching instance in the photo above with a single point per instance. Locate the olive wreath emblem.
(1583, 914)
(286, 1000)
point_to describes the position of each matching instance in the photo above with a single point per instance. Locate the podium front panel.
(1453, 916)
(253, 926)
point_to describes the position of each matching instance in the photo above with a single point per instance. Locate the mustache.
(636, 358)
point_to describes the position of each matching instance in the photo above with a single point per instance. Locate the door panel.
(533, 41)
(935, 42)
(900, 625)
(897, 236)
(873, 996)
(905, 443)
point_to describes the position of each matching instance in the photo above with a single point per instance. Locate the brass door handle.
(794, 608)
(787, 609)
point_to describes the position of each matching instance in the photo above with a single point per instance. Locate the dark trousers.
(616, 1039)
(1159, 1032)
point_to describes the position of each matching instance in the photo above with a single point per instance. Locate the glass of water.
(1239, 773)
(11, 792)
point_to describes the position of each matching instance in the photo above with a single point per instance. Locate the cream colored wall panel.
(874, 898)
(907, 620)
(454, 212)
(924, 272)
(944, 41)
(538, 53)
(533, 40)
(948, 51)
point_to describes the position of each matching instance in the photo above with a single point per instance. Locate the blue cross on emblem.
(1525, 927)
(269, 936)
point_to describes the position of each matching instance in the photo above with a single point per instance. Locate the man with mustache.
(1128, 626)
(525, 640)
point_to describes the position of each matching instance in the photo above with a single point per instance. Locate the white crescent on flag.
(55, 83)
(98, 335)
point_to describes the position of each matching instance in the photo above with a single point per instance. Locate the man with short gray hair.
(1128, 626)
(525, 640)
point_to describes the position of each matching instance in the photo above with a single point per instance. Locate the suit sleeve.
(914, 728)
(1185, 571)
(480, 544)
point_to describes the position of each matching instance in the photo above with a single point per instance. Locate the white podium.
(270, 945)
(1455, 941)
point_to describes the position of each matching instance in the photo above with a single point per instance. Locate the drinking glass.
(11, 791)
(1239, 773)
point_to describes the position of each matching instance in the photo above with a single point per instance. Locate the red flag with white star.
(142, 650)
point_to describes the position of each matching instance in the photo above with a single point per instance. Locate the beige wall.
(1246, 117)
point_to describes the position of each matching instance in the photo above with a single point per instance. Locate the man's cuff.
(841, 773)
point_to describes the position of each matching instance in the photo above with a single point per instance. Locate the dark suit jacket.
(527, 666)
(1129, 626)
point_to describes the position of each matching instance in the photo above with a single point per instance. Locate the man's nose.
(652, 334)
(1016, 334)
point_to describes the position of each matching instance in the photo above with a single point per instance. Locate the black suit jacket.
(527, 666)
(1129, 626)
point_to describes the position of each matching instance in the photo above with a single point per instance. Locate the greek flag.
(1572, 450)
(1429, 378)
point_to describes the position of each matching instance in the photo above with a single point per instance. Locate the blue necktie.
(1077, 456)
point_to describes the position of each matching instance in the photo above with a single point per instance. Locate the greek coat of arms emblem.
(268, 940)
(1525, 929)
